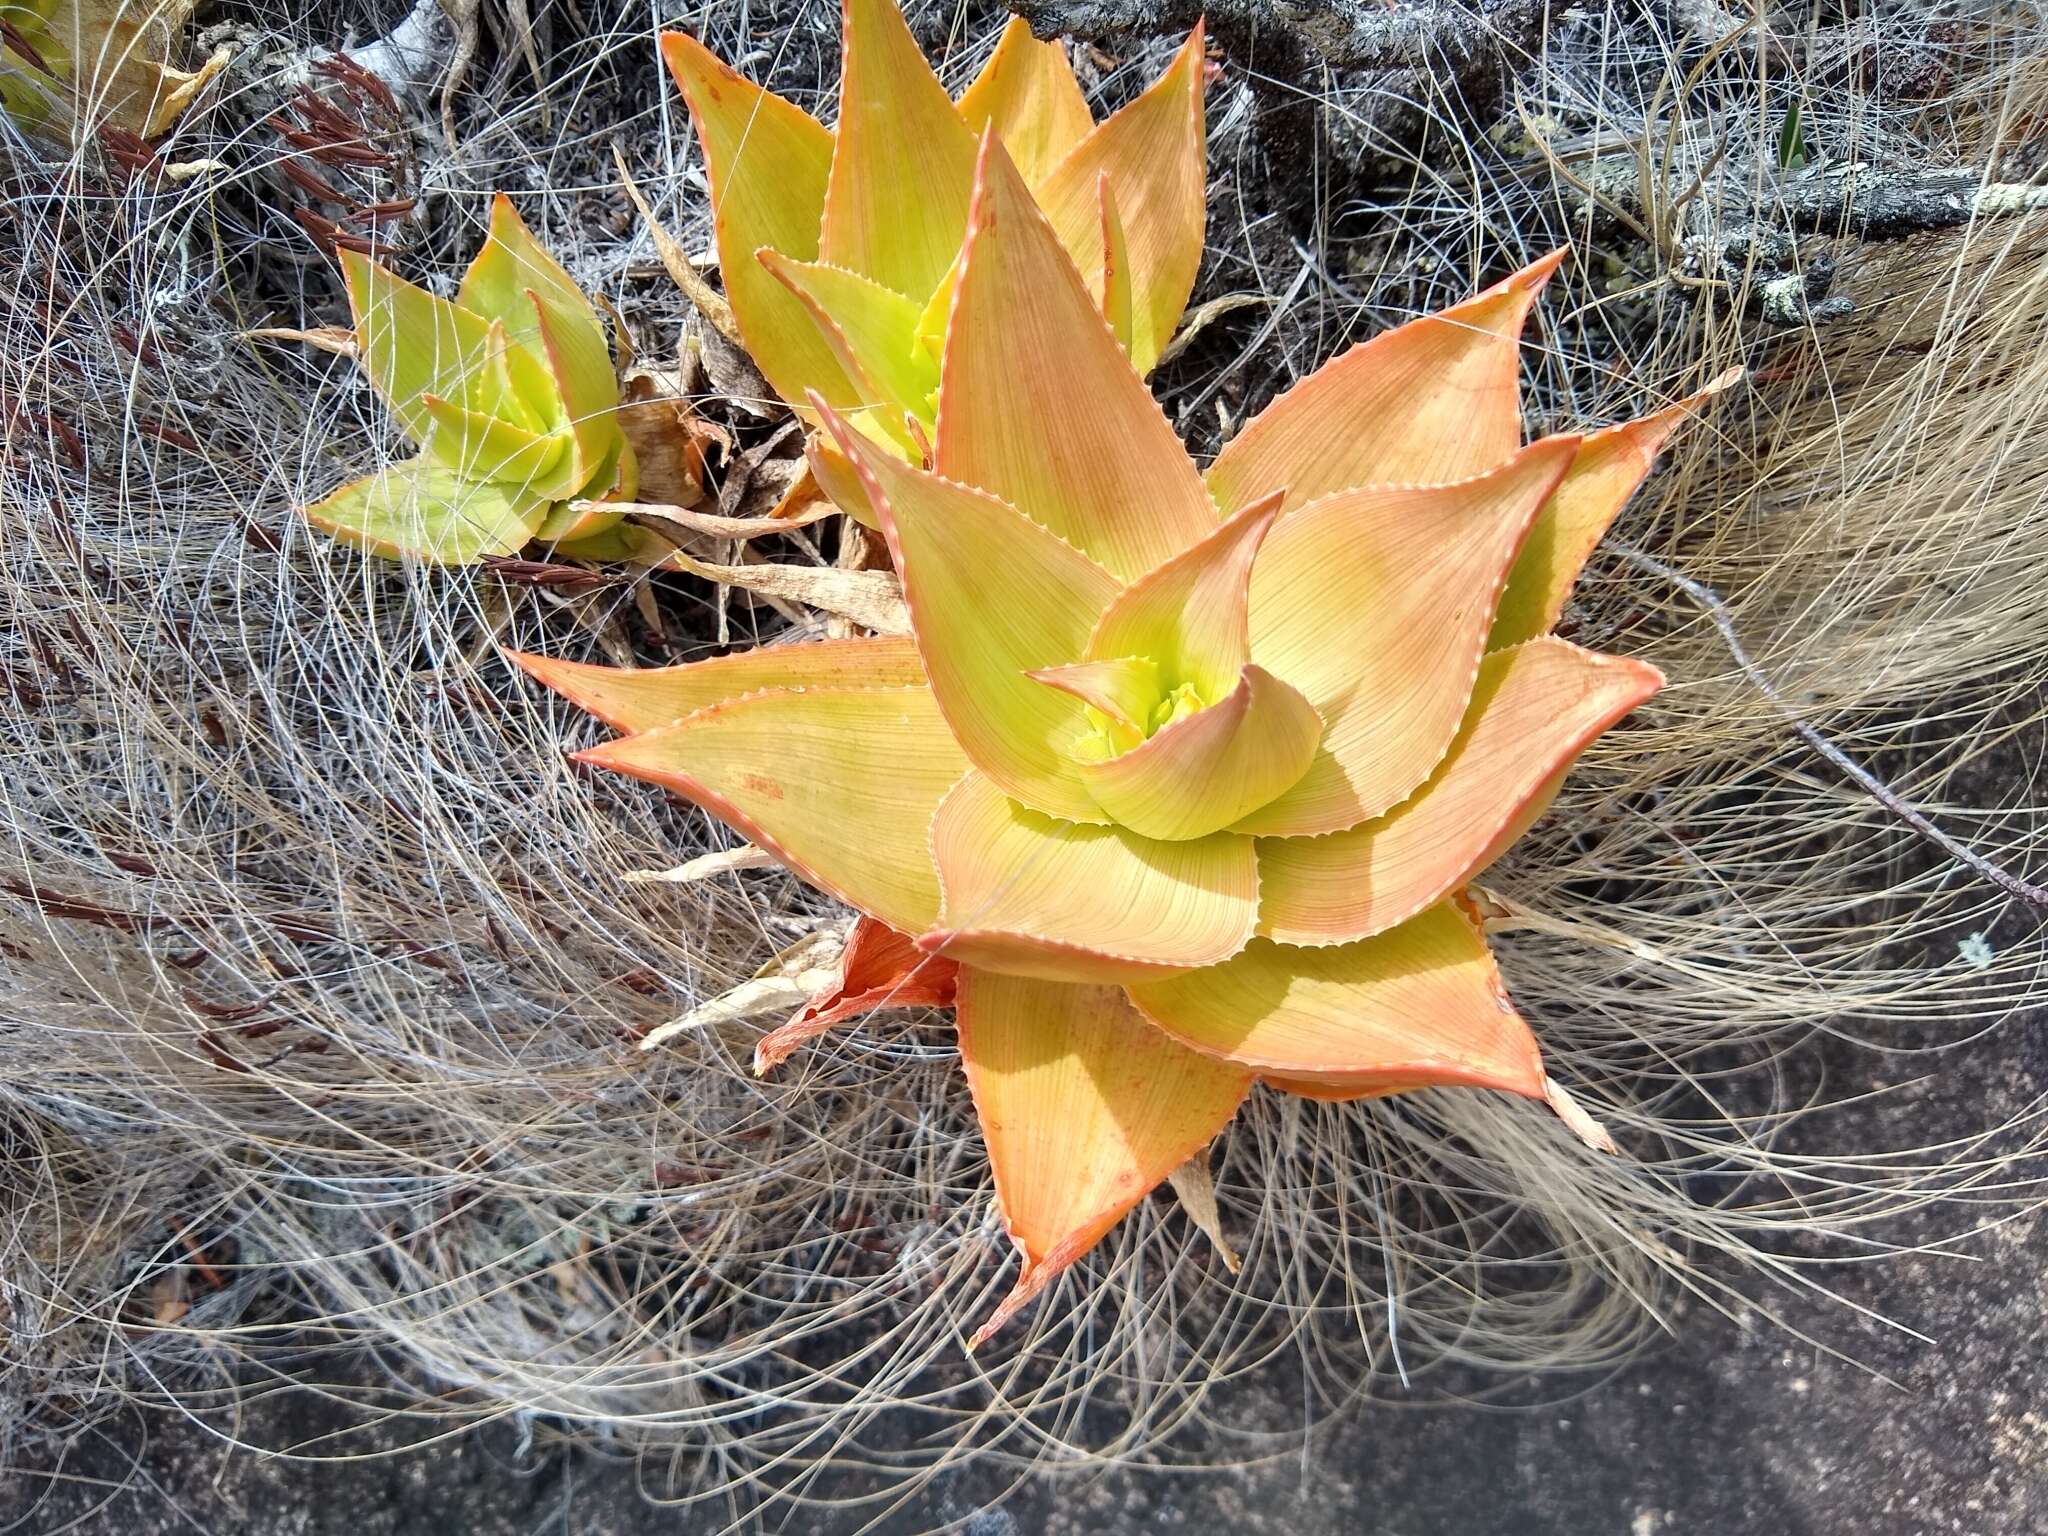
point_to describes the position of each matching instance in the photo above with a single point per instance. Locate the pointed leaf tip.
(1154, 156)
(1191, 614)
(1610, 466)
(881, 968)
(1535, 708)
(1038, 404)
(1084, 1108)
(1028, 95)
(872, 330)
(515, 281)
(413, 343)
(422, 510)
(902, 161)
(1427, 403)
(636, 699)
(1126, 688)
(768, 163)
(783, 769)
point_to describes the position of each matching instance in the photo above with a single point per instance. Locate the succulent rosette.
(839, 247)
(1178, 783)
(510, 393)
(67, 62)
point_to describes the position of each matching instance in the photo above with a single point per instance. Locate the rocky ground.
(1734, 1427)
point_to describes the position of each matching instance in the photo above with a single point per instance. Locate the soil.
(1736, 1427)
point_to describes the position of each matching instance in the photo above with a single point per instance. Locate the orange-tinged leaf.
(484, 447)
(1030, 895)
(1208, 770)
(1419, 1004)
(1309, 1088)
(1430, 401)
(1038, 404)
(838, 784)
(1388, 653)
(1189, 615)
(881, 968)
(1113, 292)
(1027, 92)
(514, 281)
(422, 510)
(1126, 688)
(768, 163)
(838, 479)
(873, 332)
(412, 343)
(1609, 466)
(1084, 1107)
(635, 699)
(1535, 708)
(1156, 162)
(993, 596)
(903, 161)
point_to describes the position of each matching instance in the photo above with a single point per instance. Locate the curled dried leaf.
(872, 599)
(703, 867)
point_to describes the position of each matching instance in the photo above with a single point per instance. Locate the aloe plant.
(101, 61)
(838, 248)
(1181, 778)
(509, 391)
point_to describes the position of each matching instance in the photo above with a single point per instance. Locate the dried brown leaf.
(710, 303)
(1195, 1187)
(872, 599)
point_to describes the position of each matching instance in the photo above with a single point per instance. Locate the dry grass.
(325, 1024)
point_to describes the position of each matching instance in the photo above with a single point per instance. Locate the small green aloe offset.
(510, 393)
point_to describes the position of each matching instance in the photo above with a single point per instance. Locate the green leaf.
(768, 162)
(423, 510)
(1791, 139)
(993, 596)
(516, 282)
(413, 344)
(873, 332)
(1190, 615)
(1208, 770)
(481, 447)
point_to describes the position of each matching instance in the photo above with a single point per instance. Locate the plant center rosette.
(1180, 779)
